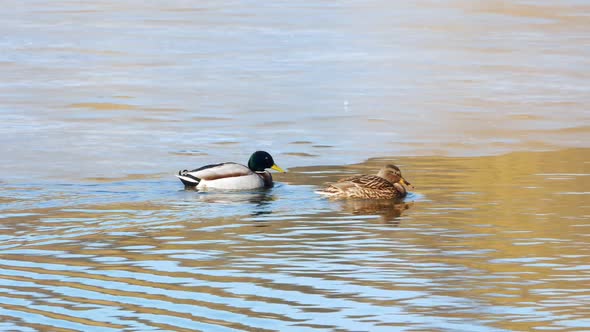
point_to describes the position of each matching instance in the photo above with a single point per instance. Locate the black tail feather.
(188, 184)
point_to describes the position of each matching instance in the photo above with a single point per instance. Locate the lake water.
(483, 105)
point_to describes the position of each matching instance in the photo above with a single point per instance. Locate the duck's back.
(220, 171)
(364, 186)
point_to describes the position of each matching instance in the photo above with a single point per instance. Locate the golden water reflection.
(484, 243)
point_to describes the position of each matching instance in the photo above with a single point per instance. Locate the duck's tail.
(187, 179)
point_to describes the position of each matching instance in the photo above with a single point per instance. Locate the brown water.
(484, 106)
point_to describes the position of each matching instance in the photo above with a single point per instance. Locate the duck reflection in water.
(388, 211)
(254, 202)
(258, 197)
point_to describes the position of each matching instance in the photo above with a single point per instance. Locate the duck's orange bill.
(277, 168)
(406, 183)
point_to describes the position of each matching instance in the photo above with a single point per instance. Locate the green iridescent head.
(261, 160)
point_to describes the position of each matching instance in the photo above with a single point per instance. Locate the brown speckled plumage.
(388, 184)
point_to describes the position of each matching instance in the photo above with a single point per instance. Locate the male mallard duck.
(387, 184)
(232, 175)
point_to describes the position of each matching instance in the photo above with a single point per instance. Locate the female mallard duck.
(232, 175)
(387, 184)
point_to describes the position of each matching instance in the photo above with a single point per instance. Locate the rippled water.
(482, 105)
(488, 243)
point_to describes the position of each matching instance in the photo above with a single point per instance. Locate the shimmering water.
(482, 105)
(488, 243)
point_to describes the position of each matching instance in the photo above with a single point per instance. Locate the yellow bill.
(277, 168)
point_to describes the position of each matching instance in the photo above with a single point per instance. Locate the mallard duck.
(387, 184)
(232, 175)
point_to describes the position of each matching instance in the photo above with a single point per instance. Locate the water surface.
(482, 105)
(484, 243)
(101, 89)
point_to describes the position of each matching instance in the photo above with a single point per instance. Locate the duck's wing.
(213, 172)
(359, 184)
(365, 181)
